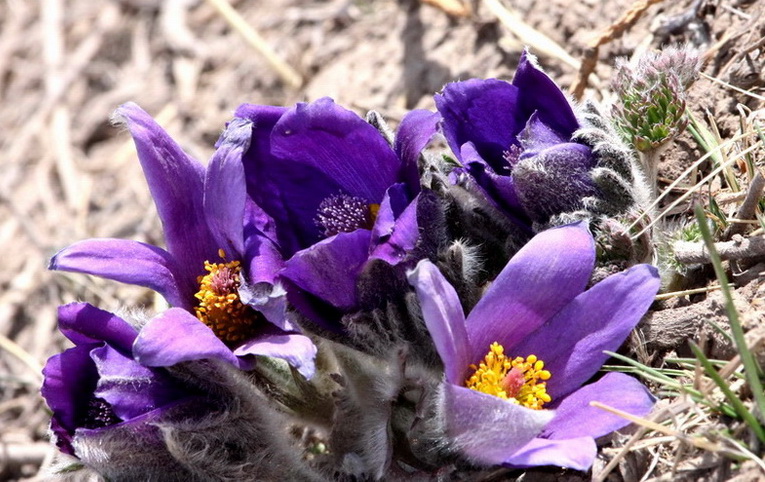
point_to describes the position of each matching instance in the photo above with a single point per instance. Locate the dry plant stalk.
(748, 208)
(528, 35)
(455, 8)
(614, 31)
(287, 73)
(737, 249)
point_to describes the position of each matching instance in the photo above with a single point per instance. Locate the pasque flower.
(96, 390)
(339, 192)
(518, 369)
(519, 146)
(219, 270)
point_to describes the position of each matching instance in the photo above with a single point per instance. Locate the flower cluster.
(346, 302)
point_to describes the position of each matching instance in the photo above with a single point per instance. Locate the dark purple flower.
(338, 192)
(514, 143)
(96, 386)
(529, 345)
(219, 269)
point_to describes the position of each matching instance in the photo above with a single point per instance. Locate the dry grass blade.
(452, 7)
(698, 442)
(733, 87)
(674, 294)
(539, 42)
(637, 441)
(14, 349)
(728, 143)
(694, 189)
(287, 73)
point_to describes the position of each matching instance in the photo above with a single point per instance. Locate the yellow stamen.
(219, 305)
(521, 381)
(374, 209)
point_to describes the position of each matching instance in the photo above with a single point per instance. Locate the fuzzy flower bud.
(652, 96)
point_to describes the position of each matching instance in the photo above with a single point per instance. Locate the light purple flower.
(96, 386)
(539, 306)
(212, 230)
(513, 141)
(339, 195)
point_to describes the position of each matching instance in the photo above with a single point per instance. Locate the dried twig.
(287, 73)
(739, 248)
(614, 31)
(748, 208)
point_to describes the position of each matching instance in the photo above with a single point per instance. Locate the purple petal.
(442, 313)
(262, 260)
(574, 417)
(257, 221)
(318, 150)
(297, 350)
(394, 202)
(340, 144)
(575, 453)
(484, 112)
(177, 336)
(416, 130)
(314, 309)
(128, 262)
(538, 93)
(543, 277)
(571, 343)
(263, 117)
(270, 300)
(486, 428)
(538, 136)
(498, 190)
(226, 190)
(131, 389)
(85, 324)
(176, 184)
(329, 269)
(69, 380)
(402, 239)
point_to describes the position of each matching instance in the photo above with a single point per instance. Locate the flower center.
(512, 155)
(99, 414)
(521, 381)
(219, 305)
(341, 213)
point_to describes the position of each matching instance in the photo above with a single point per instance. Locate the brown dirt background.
(68, 175)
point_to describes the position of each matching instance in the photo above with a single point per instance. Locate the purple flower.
(219, 269)
(338, 192)
(514, 143)
(531, 344)
(97, 387)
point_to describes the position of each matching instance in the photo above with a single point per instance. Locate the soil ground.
(68, 175)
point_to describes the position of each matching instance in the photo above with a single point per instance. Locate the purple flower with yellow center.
(513, 141)
(519, 368)
(339, 193)
(219, 270)
(97, 387)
